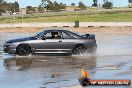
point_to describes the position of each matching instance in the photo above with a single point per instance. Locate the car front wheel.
(23, 50)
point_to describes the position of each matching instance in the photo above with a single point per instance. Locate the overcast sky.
(24, 3)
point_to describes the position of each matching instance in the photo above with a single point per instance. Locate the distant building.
(22, 11)
(25, 11)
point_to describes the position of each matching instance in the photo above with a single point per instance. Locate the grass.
(105, 16)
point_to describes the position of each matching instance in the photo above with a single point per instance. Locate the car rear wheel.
(79, 49)
(23, 50)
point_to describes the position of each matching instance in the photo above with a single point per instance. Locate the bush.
(107, 5)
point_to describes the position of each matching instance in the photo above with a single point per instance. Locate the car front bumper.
(9, 49)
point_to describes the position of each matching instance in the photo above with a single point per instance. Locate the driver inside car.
(55, 35)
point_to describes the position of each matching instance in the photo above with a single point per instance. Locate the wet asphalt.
(112, 60)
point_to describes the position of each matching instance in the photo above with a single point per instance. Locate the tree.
(40, 8)
(107, 5)
(73, 4)
(1, 1)
(56, 6)
(13, 7)
(16, 6)
(130, 1)
(62, 6)
(95, 3)
(53, 6)
(44, 3)
(81, 5)
(4, 6)
(50, 6)
(105, 1)
(29, 9)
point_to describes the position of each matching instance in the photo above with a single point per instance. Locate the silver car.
(52, 41)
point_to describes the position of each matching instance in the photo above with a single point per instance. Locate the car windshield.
(37, 35)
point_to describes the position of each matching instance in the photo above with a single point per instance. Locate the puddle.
(113, 60)
(109, 68)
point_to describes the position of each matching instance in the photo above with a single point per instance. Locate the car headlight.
(9, 44)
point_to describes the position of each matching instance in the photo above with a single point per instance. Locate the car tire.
(78, 49)
(23, 50)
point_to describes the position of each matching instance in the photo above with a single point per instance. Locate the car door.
(68, 42)
(49, 45)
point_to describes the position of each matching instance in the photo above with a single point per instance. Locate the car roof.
(55, 29)
(60, 29)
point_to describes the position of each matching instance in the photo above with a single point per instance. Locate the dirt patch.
(104, 30)
(124, 30)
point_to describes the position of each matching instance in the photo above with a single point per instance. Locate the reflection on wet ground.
(49, 70)
(23, 63)
(113, 60)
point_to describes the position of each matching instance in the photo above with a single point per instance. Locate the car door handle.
(60, 40)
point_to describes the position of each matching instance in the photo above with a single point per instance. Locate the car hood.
(20, 40)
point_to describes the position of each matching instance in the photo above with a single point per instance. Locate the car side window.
(74, 35)
(48, 35)
(53, 35)
(66, 36)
